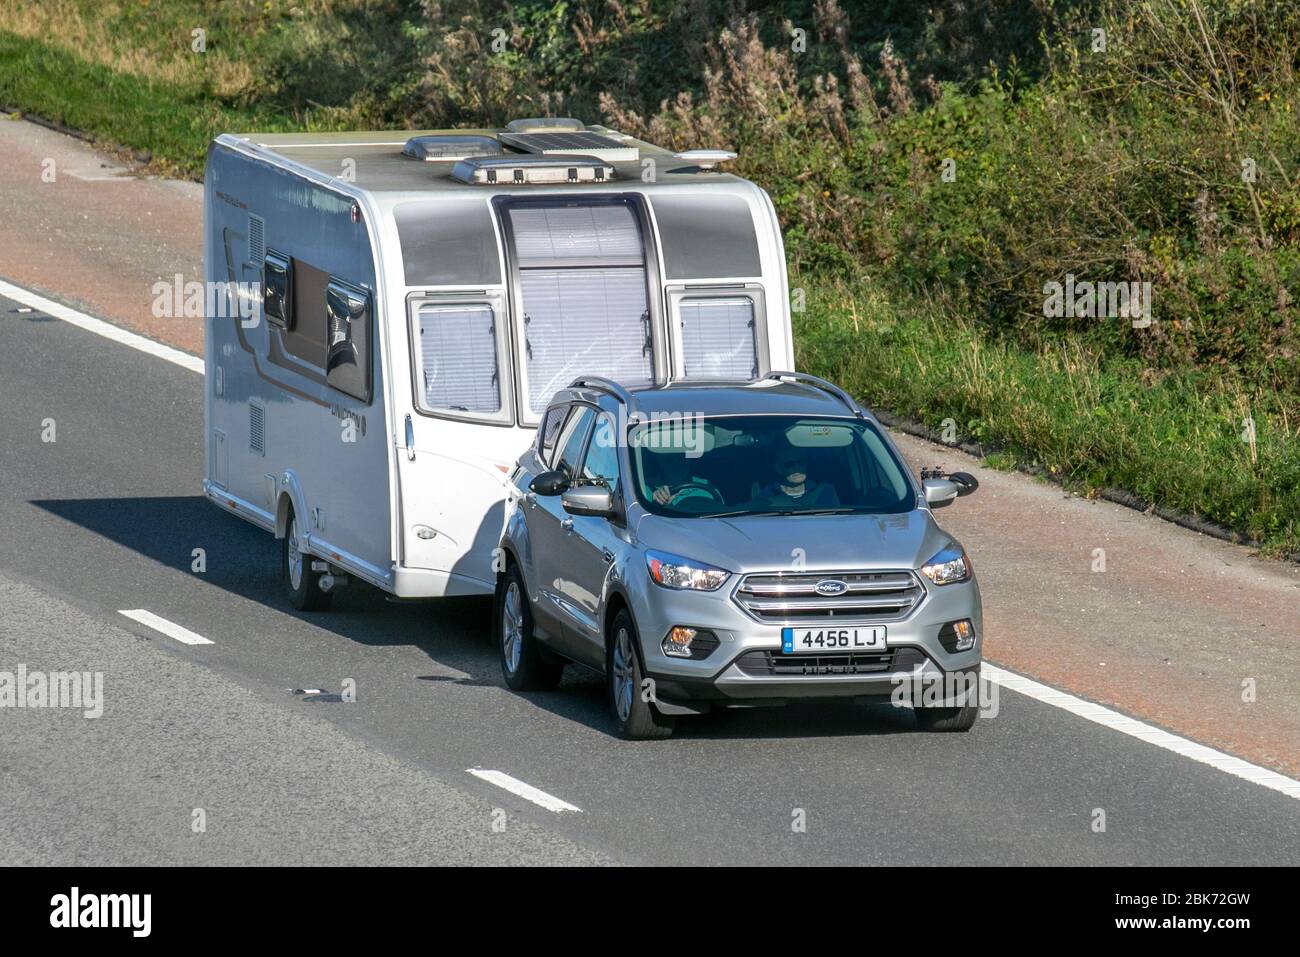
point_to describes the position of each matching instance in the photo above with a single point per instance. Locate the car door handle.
(531, 499)
(608, 556)
(566, 524)
(410, 439)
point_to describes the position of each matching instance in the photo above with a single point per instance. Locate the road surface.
(106, 518)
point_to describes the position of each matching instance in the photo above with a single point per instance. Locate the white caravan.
(422, 295)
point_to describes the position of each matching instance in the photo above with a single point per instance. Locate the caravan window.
(582, 294)
(720, 332)
(456, 351)
(326, 335)
(347, 361)
(276, 289)
(718, 338)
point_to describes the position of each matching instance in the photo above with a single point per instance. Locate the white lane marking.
(1045, 693)
(101, 328)
(1104, 716)
(525, 791)
(168, 628)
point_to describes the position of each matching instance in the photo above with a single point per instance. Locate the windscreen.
(766, 465)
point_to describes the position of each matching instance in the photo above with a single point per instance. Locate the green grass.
(1081, 165)
(1087, 420)
(174, 125)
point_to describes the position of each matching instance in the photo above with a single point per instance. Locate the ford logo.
(831, 586)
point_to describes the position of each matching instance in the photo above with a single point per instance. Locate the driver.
(679, 483)
(795, 488)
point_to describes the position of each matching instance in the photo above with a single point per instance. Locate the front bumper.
(748, 665)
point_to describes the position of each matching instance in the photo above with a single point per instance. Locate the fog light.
(677, 643)
(965, 633)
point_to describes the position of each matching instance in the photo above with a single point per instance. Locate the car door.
(548, 534)
(594, 540)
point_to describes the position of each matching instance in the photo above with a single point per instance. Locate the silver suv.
(706, 544)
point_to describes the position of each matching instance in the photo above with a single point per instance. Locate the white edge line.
(168, 628)
(1007, 679)
(1104, 716)
(525, 791)
(101, 328)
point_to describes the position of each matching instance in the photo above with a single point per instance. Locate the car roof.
(705, 398)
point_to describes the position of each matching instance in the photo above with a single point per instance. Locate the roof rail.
(603, 385)
(822, 384)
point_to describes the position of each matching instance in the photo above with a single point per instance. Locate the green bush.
(935, 166)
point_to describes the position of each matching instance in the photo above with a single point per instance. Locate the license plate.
(821, 641)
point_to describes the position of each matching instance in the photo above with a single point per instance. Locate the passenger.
(795, 488)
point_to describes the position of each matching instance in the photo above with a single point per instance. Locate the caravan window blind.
(718, 338)
(583, 296)
(457, 360)
(584, 322)
(568, 235)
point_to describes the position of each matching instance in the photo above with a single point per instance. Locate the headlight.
(948, 567)
(673, 571)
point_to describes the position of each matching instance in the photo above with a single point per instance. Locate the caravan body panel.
(484, 300)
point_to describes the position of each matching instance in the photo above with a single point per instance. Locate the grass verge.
(173, 124)
(1194, 442)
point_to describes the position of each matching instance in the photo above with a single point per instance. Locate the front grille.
(794, 597)
(774, 664)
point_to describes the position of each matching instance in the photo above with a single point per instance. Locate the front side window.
(766, 465)
(601, 465)
(572, 439)
(456, 358)
(550, 431)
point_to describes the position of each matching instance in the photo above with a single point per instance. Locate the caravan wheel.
(301, 583)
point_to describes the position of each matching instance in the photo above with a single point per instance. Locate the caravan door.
(456, 447)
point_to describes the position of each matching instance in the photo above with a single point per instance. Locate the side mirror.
(940, 492)
(549, 483)
(588, 500)
(965, 482)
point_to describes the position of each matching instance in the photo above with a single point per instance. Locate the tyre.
(524, 663)
(960, 718)
(637, 718)
(948, 719)
(301, 581)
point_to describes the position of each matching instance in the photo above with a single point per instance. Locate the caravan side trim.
(238, 506)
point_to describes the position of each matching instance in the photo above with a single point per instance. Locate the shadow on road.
(453, 632)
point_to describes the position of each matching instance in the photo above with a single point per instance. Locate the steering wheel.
(678, 493)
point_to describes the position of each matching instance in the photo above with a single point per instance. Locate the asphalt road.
(107, 517)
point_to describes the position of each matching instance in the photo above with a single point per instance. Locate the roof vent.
(587, 143)
(546, 124)
(443, 146)
(526, 170)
